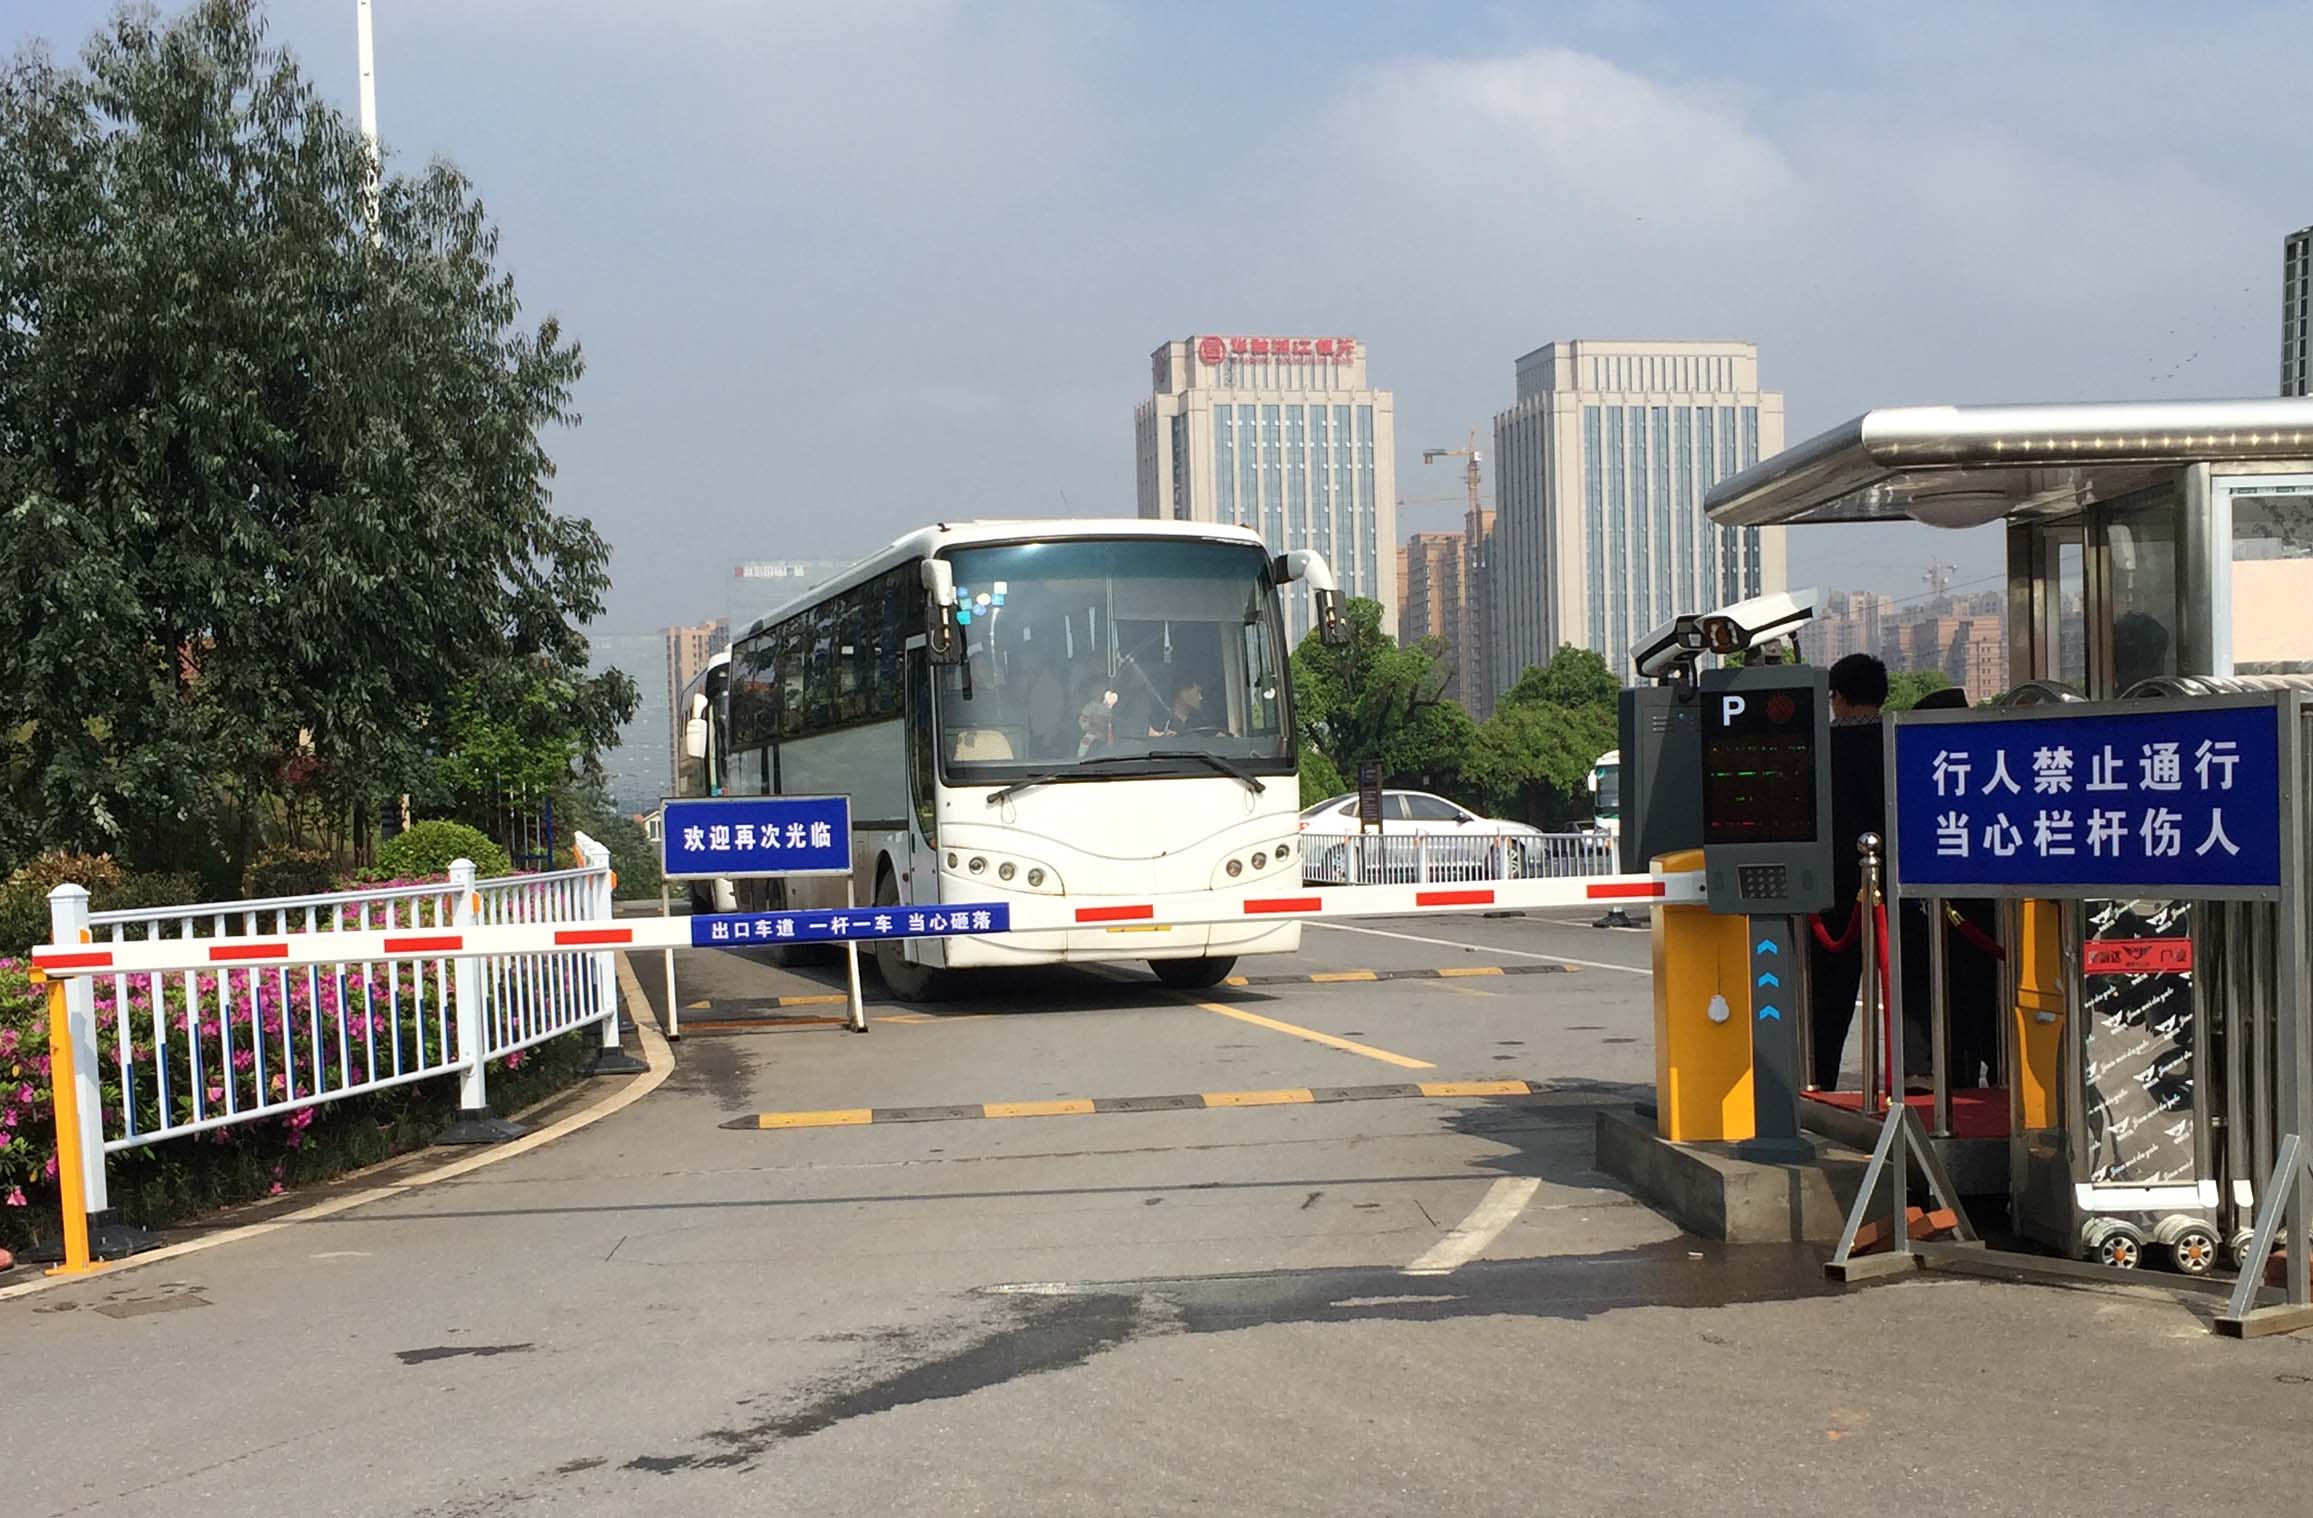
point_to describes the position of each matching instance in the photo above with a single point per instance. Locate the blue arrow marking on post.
(1767, 1012)
(1767, 946)
(1768, 978)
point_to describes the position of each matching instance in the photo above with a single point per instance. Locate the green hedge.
(427, 848)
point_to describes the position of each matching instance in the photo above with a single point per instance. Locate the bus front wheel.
(1193, 974)
(905, 980)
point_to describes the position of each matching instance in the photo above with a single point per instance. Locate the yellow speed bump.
(1327, 977)
(1258, 1098)
(1458, 971)
(1474, 1088)
(1069, 1107)
(835, 1117)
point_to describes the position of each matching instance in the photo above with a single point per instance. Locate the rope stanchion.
(1984, 942)
(1886, 1074)
(1844, 941)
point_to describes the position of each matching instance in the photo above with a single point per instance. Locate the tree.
(272, 490)
(1575, 678)
(1373, 701)
(1531, 761)
(1905, 687)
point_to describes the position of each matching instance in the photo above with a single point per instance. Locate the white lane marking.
(1503, 1201)
(1480, 948)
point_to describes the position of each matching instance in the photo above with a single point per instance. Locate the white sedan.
(1423, 838)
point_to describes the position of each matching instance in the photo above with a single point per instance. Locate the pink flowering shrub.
(209, 1044)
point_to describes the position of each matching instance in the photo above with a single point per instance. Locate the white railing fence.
(162, 1055)
(1387, 858)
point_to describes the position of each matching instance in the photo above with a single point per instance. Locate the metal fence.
(161, 1055)
(1450, 858)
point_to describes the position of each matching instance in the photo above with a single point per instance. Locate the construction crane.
(1470, 475)
(1471, 609)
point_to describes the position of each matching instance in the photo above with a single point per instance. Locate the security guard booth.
(2153, 550)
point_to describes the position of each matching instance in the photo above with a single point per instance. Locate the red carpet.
(1975, 1114)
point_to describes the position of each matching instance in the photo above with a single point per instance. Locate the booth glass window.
(2272, 572)
(2140, 549)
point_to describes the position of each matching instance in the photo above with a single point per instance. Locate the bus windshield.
(1609, 790)
(1101, 652)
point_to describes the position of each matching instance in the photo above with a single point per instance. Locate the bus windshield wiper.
(1048, 776)
(1214, 761)
(1242, 777)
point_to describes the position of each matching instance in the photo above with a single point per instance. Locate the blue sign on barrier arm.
(844, 924)
(2181, 798)
(741, 837)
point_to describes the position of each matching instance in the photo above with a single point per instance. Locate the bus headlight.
(1235, 868)
(1035, 879)
(1004, 871)
(1284, 852)
(977, 865)
(1260, 860)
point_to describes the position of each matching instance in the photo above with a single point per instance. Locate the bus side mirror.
(1332, 626)
(695, 738)
(943, 635)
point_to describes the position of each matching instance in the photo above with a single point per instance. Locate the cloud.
(1558, 136)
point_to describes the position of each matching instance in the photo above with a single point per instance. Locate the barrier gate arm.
(1028, 915)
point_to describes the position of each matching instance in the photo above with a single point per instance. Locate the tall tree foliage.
(1375, 701)
(272, 489)
(1532, 759)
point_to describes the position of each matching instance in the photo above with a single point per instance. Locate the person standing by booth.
(1857, 764)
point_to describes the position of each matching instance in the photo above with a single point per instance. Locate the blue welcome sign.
(743, 837)
(2106, 799)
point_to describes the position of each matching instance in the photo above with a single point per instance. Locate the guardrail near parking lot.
(225, 1013)
(1424, 858)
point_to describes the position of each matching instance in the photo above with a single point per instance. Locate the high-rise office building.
(1601, 467)
(1430, 590)
(1442, 578)
(2297, 313)
(636, 772)
(1282, 435)
(759, 587)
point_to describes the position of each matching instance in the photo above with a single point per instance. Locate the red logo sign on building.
(1213, 350)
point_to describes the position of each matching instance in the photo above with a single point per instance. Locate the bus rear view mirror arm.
(1308, 566)
(943, 635)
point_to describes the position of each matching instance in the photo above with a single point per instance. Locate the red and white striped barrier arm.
(1029, 914)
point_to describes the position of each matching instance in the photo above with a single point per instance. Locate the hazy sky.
(844, 268)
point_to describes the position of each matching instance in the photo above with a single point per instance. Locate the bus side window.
(921, 749)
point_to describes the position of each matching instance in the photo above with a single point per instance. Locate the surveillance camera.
(1746, 624)
(1670, 651)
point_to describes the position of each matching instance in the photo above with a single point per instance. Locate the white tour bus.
(1084, 709)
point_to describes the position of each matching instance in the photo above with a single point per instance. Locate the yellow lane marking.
(828, 999)
(1323, 977)
(1235, 980)
(1257, 1098)
(1348, 1046)
(1067, 1108)
(1473, 1088)
(1453, 971)
(839, 1117)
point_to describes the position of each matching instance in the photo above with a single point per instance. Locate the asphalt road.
(1392, 1304)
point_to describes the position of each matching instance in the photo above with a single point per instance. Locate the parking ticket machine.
(1766, 803)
